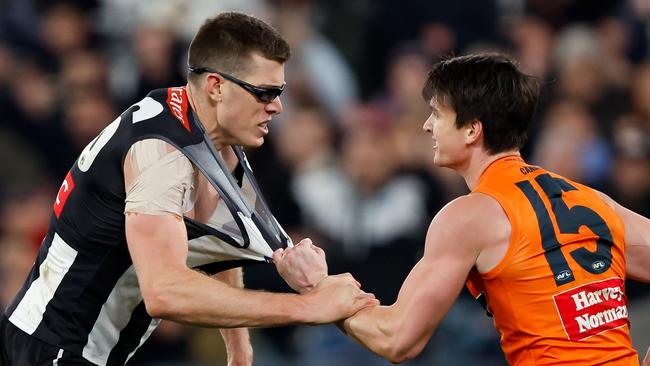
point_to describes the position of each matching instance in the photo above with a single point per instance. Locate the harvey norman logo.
(177, 102)
(592, 308)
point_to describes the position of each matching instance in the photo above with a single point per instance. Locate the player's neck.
(475, 167)
(208, 122)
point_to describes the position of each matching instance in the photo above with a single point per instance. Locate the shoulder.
(158, 158)
(473, 208)
(473, 221)
(608, 200)
(148, 151)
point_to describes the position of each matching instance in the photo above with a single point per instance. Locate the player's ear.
(473, 131)
(213, 84)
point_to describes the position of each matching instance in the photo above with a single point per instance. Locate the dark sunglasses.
(266, 95)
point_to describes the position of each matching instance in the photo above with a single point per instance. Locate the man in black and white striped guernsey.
(150, 215)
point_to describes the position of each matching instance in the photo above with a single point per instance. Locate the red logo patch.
(66, 187)
(592, 308)
(177, 102)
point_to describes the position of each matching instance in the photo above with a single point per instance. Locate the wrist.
(302, 312)
(308, 288)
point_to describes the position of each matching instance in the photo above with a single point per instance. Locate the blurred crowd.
(346, 163)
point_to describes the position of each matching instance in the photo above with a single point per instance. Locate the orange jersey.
(557, 296)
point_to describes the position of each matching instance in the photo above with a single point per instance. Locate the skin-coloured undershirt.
(159, 179)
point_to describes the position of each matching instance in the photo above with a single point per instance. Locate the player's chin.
(440, 161)
(253, 141)
(436, 159)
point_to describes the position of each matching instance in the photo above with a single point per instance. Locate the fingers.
(339, 297)
(369, 301)
(277, 255)
(318, 250)
(362, 301)
(305, 241)
(301, 266)
(348, 277)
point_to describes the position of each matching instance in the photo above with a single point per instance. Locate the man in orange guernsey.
(548, 256)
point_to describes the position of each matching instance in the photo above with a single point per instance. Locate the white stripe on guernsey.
(58, 357)
(152, 326)
(29, 312)
(113, 317)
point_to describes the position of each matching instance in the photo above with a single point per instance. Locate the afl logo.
(598, 265)
(566, 274)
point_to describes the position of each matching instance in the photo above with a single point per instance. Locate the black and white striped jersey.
(82, 294)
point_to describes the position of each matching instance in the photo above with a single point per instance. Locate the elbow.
(156, 305)
(393, 344)
(164, 295)
(397, 349)
(156, 308)
(158, 302)
(397, 358)
(399, 355)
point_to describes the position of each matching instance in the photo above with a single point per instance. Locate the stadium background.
(346, 163)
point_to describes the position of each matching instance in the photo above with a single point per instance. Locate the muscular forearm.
(193, 298)
(399, 332)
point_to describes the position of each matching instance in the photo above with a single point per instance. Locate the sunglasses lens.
(269, 95)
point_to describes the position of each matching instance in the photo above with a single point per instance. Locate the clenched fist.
(302, 266)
